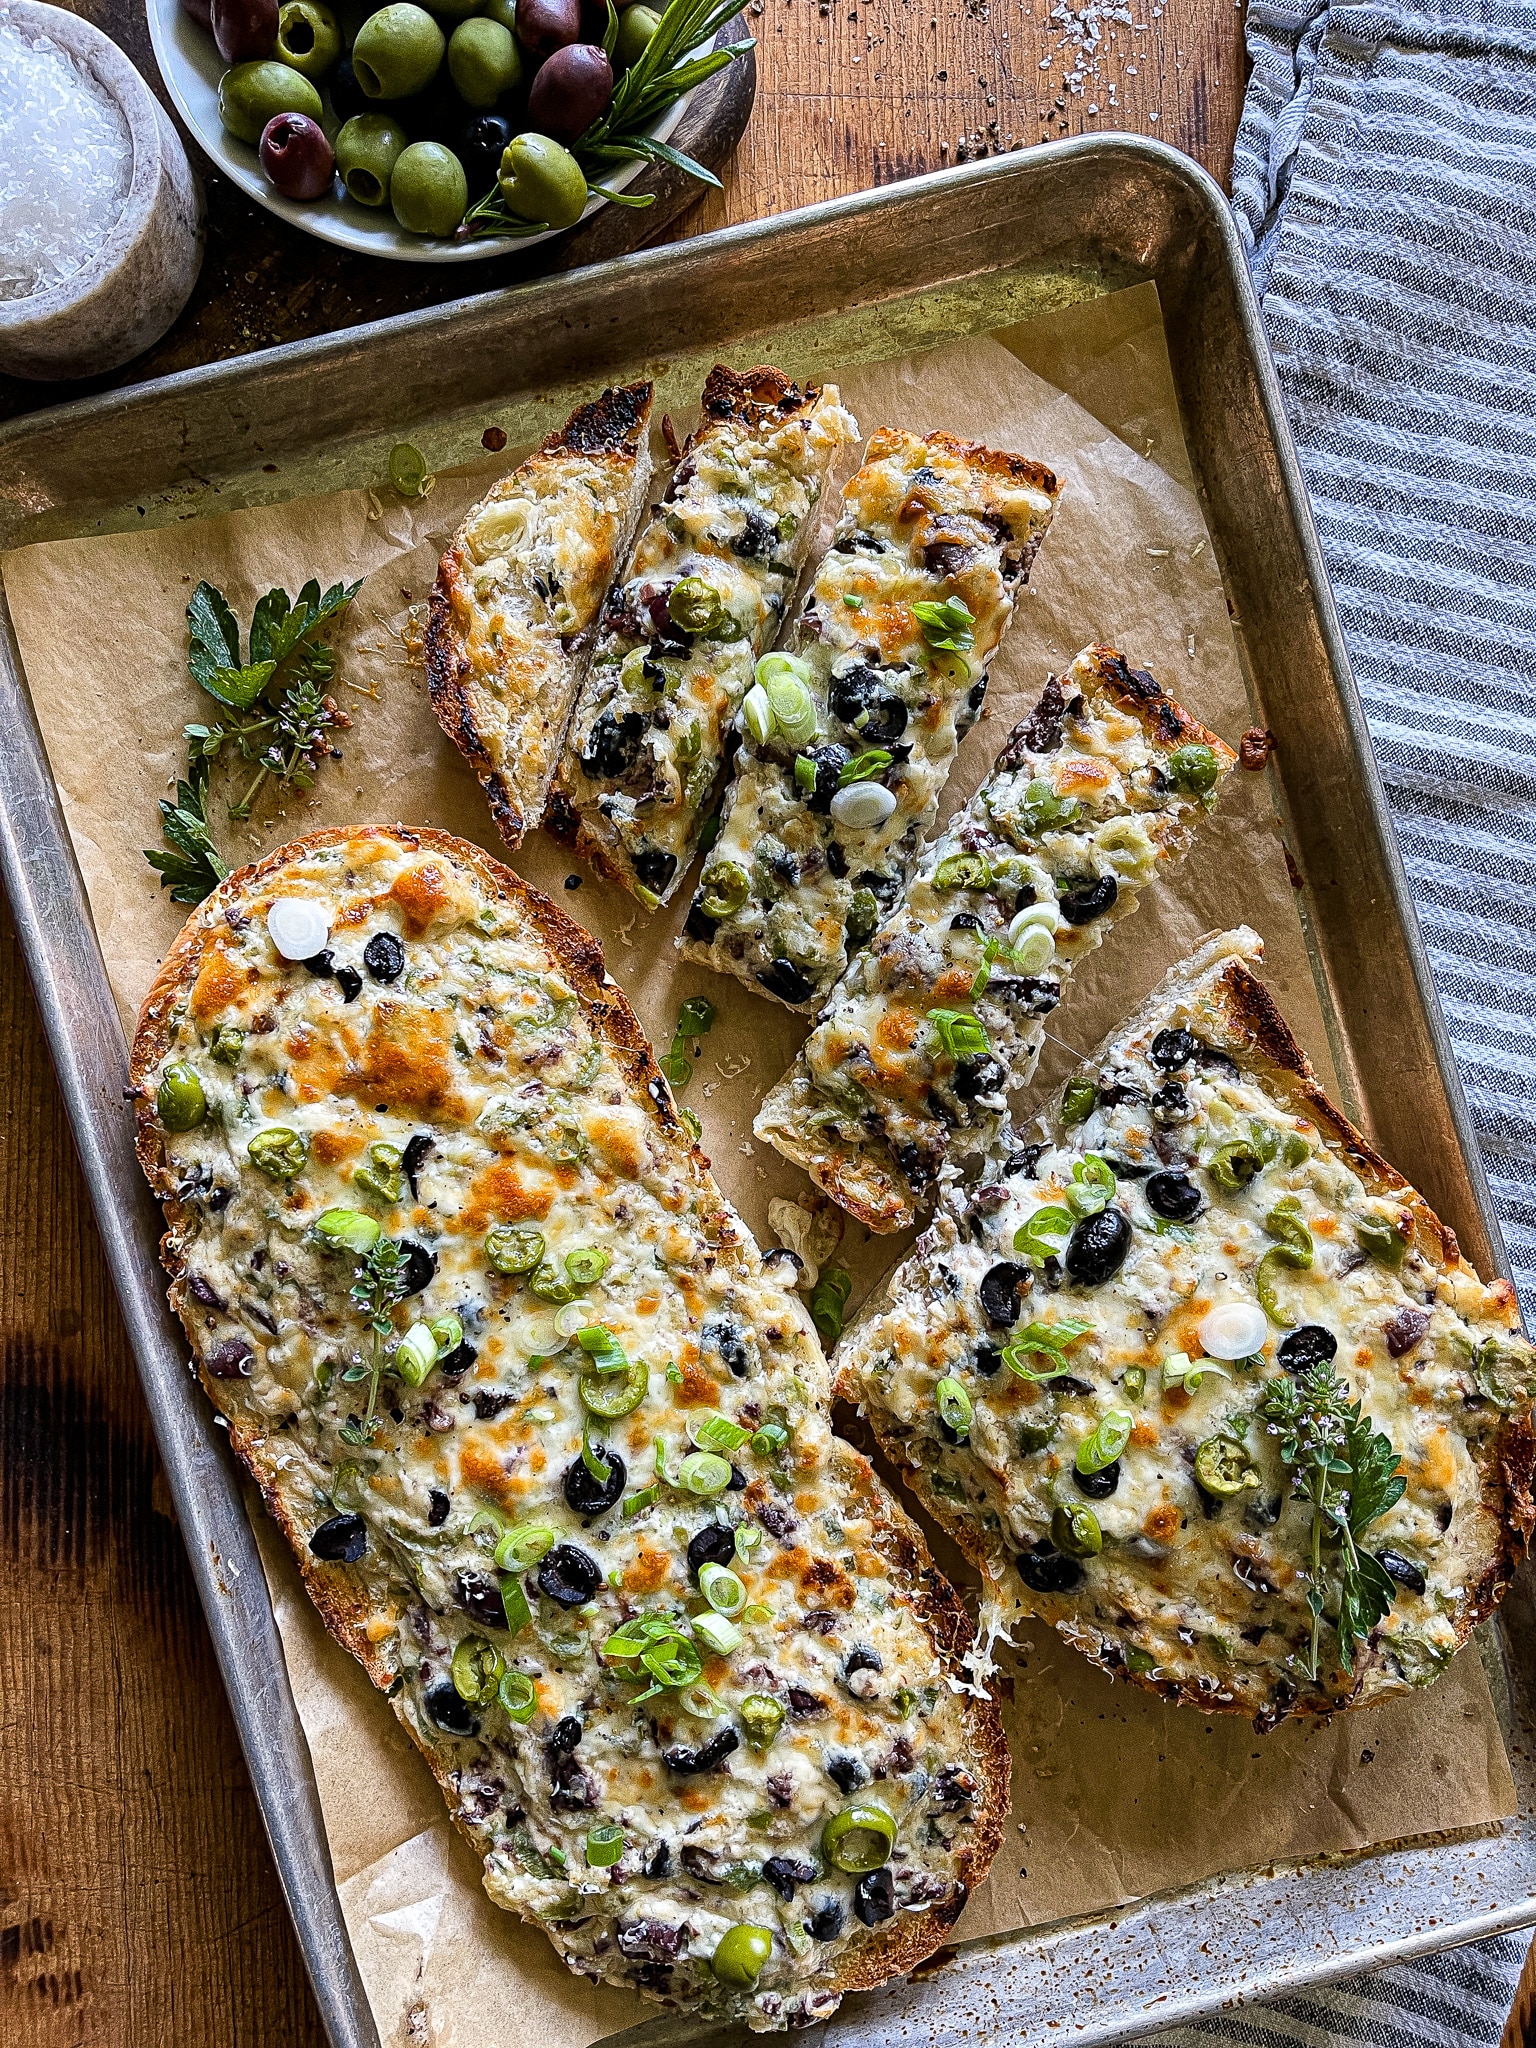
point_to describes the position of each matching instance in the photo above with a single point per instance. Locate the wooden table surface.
(138, 1905)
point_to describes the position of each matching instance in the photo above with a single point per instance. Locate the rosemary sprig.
(378, 1285)
(664, 71)
(1347, 1472)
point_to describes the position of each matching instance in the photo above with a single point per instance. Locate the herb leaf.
(193, 867)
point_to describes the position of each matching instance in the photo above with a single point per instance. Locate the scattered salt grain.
(66, 162)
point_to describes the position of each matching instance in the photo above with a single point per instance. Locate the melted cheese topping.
(879, 1098)
(649, 737)
(447, 1030)
(1201, 1591)
(923, 522)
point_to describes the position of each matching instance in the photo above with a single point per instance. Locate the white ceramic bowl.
(128, 294)
(192, 67)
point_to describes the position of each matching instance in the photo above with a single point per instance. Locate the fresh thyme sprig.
(378, 1285)
(277, 715)
(663, 72)
(1347, 1472)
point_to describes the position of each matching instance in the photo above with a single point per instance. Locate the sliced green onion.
(1379, 1238)
(347, 1230)
(691, 1125)
(962, 1036)
(592, 1454)
(476, 1670)
(1033, 950)
(721, 1635)
(605, 1845)
(805, 773)
(719, 1433)
(1048, 1339)
(518, 1696)
(586, 1264)
(448, 1331)
(722, 1589)
(954, 1405)
(749, 1538)
(854, 602)
(703, 1473)
(702, 1701)
(1078, 1102)
(515, 1601)
(948, 624)
(1093, 1183)
(416, 1354)
(1109, 1439)
(865, 767)
(829, 1298)
(1134, 1382)
(521, 1548)
(1179, 1370)
(1033, 1236)
(695, 1017)
(782, 681)
(488, 1522)
(757, 714)
(601, 1346)
(637, 1503)
(773, 1436)
(757, 1612)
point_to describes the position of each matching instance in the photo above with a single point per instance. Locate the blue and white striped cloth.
(1385, 185)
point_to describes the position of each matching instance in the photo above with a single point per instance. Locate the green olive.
(863, 916)
(1380, 1238)
(483, 62)
(1034, 1436)
(1194, 769)
(548, 1283)
(695, 605)
(541, 181)
(740, 1955)
(611, 1394)
(250, 94)
(1079, 1102)
(504, 11)
(636, 27)
(308, 37)
(860, 1838)
(382, 1175)
(428, 189)
(367, 150)
(1076, 1531)
(280, 1152)
(228, 1044)
(723, 889)
(762, 1717)
(397, 52)
(180, 1102)
(513, 1251)
(1222, 1468)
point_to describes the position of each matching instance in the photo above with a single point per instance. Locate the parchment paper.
(1116, 1795)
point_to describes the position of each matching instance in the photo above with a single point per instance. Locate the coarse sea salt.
(66, 163)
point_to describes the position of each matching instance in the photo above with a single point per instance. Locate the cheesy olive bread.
(1195, 1376)
(704, 594)
(910, 1063)
(519, 592)
(550, 1438)
(847, 738)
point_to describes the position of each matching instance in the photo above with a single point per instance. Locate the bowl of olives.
(438, 133)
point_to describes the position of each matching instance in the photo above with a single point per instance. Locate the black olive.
(737, 1483)
(886, 889)
(1098, 1485)
(874, 1897)
(966, 921)
(321, 965)
(1000, 1293)
(861, 1658)
(479, 145)
(1172, 1050)
(1097, 1247)
(350, 982)
(977, 1074)
(1022, 1162)
(437, 1508)
(1047, 1570)
(341, 1540)
(783, 978)
(884, 723)
(419, 1267)
(1090, 900)
(231, 1360)
(417, 1147)
(988, 1359)
(458, 1361)
(1069, 1383)
(1032, 995)
(1175, 1196)
(659, 1862)
(1170, 1105)
(826, 1923)
(851, 692)
(1401, 1568)
(829, 761)
(480, 1596)
(785, 1872)
(568, 1575)
(586, 1495)
(384, 957)
(1310, 1345)
(725, 1337)
(689, 1762)
(710, 1545)
(757, 537)
(654, 868)
(613, 744)
(447, 1711)
(846, 1772)
(566, 1734)
(700, 925)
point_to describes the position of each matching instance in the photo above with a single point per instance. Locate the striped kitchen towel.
(1385, 187)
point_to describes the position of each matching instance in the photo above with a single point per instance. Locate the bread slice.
(493, 1481)
(911, 1061)
(519, 592)
(1070, 1407)
(703, 596)
(848, 737)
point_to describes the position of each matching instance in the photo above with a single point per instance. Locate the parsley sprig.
(1347, 1471)
(276, 714)
(379, 1283)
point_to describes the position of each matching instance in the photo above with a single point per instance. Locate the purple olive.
(296, 156)
(571, 89)
(200, 12)
(244, 29)
(544, 26)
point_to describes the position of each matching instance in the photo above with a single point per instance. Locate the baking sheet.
(1128, 560)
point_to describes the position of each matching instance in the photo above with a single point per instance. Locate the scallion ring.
(701, 1472)
(605, 1845)
(1108, 1440)
(717, 1633)
(722, 1589)
(954, 1405)
(521, 1548)
(518, 1696)
(476, 1670)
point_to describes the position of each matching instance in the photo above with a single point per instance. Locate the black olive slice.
(826, 1923)
(447, 1711)
(231, 1360)
(978, 1074)
(1175, 1196)
(1097, 1247)
(1172, 1050)
(1308, 1346)
(999, 1292)
(1401, 1568)
(988, 1359)
(321, 965)
(341, 1540)
(846, 1772)
(689, 1762)
(613, 744)
(1098, 1485)
(480, 1596)
(1090, 900)
(350, 982)
(568, 1575)
(655, 867)
(417, 1146)
(384, 957)
(419, 1268)
(566, 1734)
(785, 1872)
(874, 1897)
(783, 978)
(712, 1544)
(587, 1495)
(1048, 1570)
(437, 1508)
(700, 925)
